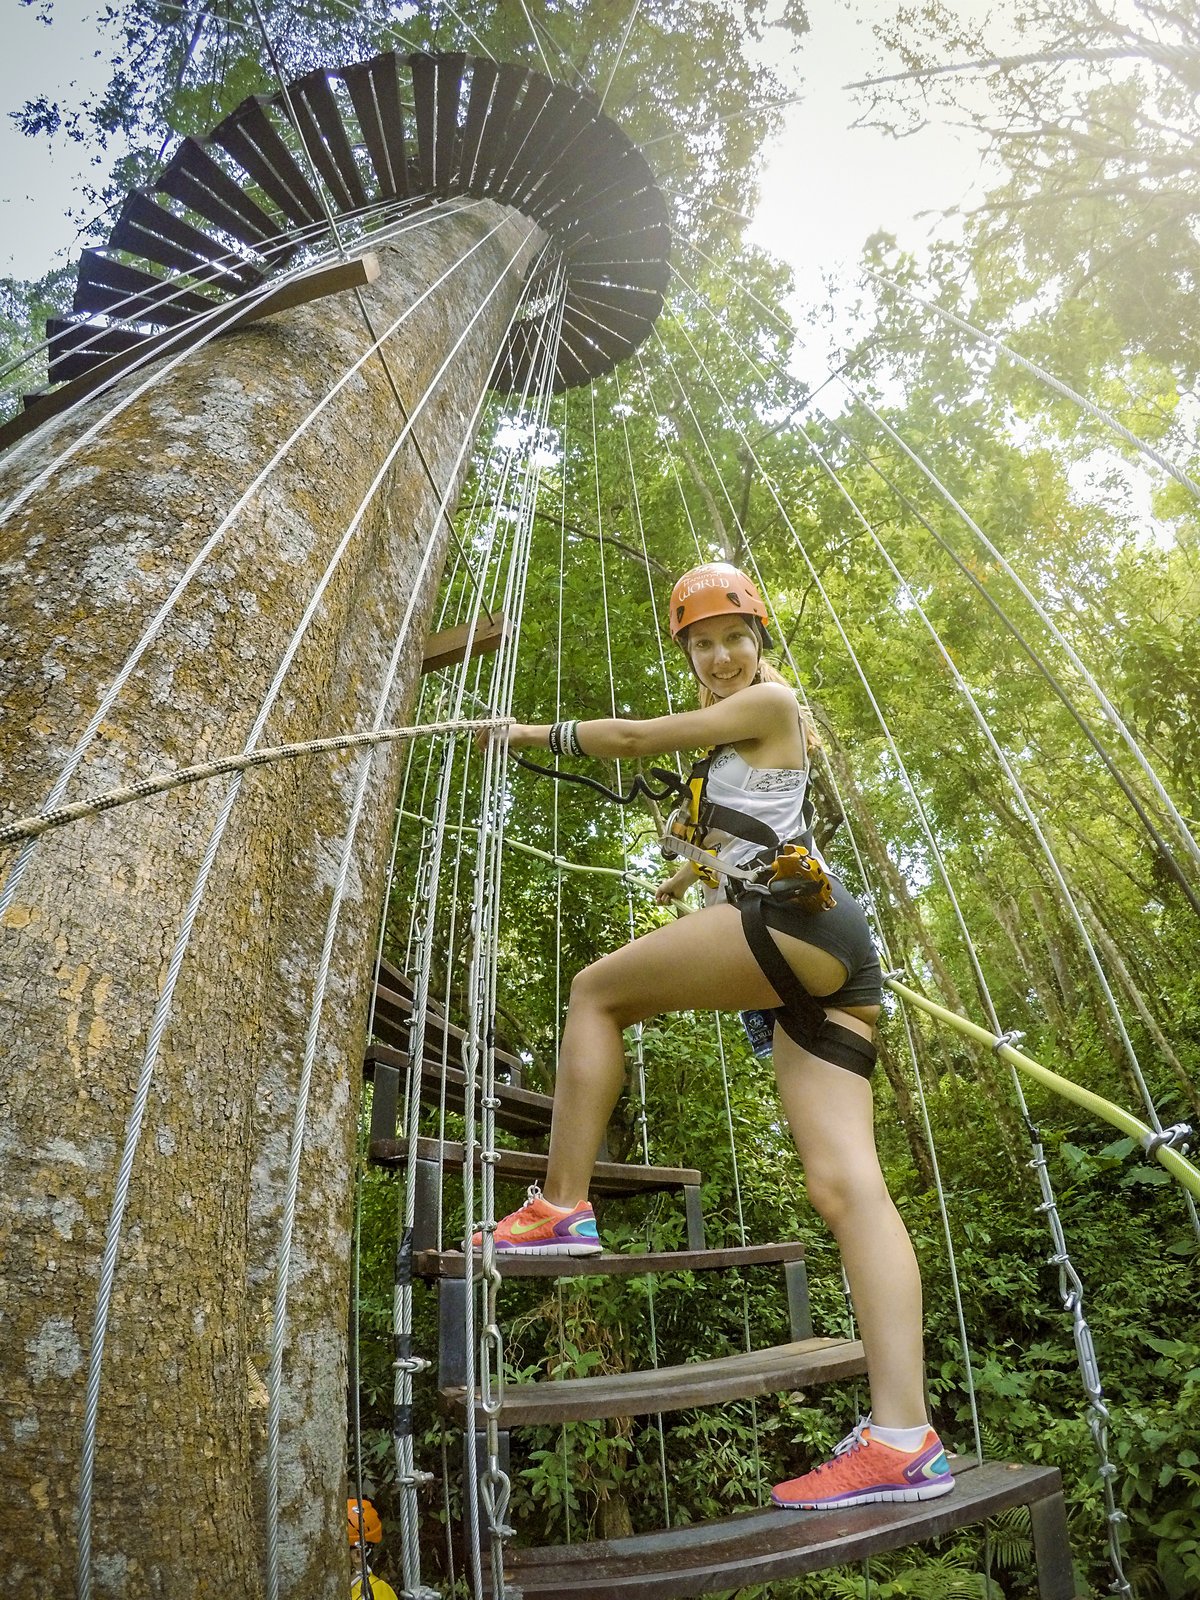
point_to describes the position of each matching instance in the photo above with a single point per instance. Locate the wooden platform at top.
(762, 1546)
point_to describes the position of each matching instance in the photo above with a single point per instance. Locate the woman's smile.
(724, 654)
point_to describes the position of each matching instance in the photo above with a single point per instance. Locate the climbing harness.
(787, 870)
(812, 1028)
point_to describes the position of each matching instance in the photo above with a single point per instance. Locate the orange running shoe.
(540, 1229)
(863, 1469)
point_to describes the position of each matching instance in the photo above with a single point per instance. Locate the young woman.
(814, 966)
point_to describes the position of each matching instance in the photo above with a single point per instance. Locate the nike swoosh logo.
(525, 1227)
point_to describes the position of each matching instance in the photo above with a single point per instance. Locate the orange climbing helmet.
(372, 1528)
(715, 589)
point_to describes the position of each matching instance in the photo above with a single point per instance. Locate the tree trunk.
(179, 1499)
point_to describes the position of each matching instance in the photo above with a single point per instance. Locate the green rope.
(1180, 1168)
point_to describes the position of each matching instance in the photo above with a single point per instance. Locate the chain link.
(1070, 1288)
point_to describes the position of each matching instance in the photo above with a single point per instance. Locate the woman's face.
(724, 654)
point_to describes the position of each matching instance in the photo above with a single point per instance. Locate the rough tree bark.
(85, 563)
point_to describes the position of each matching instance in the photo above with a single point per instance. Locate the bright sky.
(41, 179)
(827, 186)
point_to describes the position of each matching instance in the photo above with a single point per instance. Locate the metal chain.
(641, 1120)
(406, 1365)
(495, 1485)
(1070, 1288)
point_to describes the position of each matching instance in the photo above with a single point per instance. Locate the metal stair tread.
(761, 1546)
(697, 1383)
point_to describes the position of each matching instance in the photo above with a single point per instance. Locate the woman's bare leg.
(830, 1114)
(700, 962)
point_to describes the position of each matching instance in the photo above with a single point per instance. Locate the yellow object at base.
(377, 1588)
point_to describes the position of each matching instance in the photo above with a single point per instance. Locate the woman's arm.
(757, 712)
(672, 889)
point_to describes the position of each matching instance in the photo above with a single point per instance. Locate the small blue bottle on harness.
(760, 1027)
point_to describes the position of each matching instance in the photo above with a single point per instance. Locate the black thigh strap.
(774, 968)
(831, 1042)
(803, 1018)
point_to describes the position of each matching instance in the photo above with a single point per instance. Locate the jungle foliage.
(1085, 259)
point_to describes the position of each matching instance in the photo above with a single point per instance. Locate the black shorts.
(842, 932)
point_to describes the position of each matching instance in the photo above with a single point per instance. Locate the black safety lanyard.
(672, 786)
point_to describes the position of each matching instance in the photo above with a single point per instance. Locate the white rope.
(964, 689)
(1110, 711)
(491, 1489)
(214, 322)
(206, 277)
(864, 877)
(1051, 382)
(994, 604)
(639, 1058)
(637, 6)
(1114, 718)
(536, 39)
(425, 914)
(159, 1023)
(32, 827)
(564, 445)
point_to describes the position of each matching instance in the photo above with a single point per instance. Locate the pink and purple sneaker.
(540, 1229)
(864, 1469)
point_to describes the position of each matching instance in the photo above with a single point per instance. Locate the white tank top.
(775, 796)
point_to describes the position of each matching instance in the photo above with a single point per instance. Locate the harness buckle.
(798, 876)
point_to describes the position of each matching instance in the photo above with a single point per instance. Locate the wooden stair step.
(524, 1166)
(375, 91)
(762, 1546)
(520, 1110)
(249, 136)
(324, 135)
(609, 1264)
(698, 1383)
(394, 1008)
